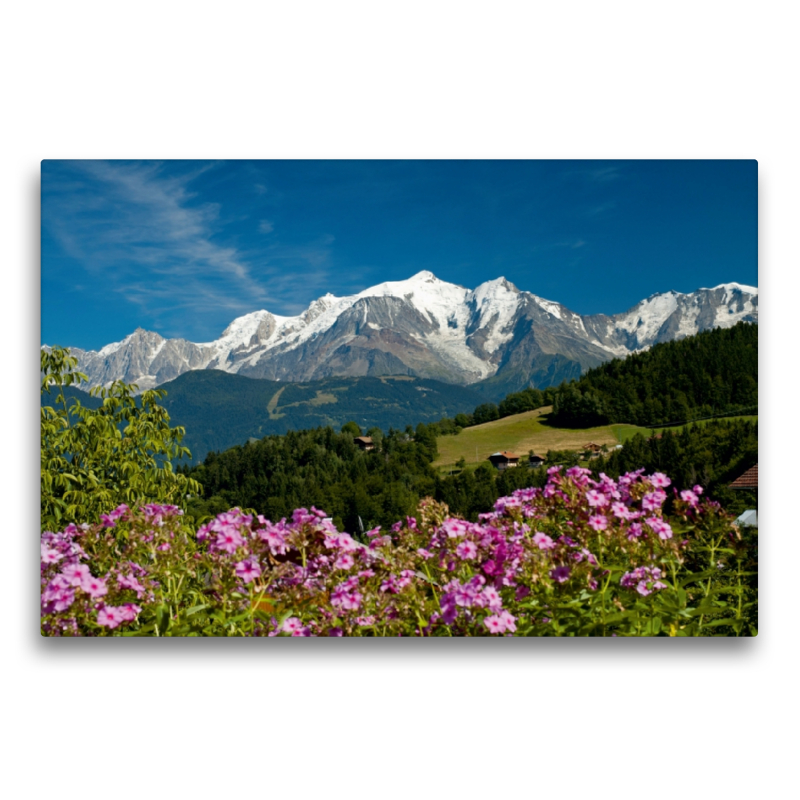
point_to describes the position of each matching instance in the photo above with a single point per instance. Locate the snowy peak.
(425, 327)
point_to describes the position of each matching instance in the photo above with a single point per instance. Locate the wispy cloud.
(600, 208)
(145, 234)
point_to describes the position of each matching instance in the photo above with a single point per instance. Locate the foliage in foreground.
(576, 557)
(94, 459)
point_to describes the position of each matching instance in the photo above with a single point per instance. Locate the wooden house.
(504, 460)
(364, 442)
(535, 460)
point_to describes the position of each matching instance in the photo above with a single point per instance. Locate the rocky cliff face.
(495, 334)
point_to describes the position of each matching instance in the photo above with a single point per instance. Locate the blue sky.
(184, 247)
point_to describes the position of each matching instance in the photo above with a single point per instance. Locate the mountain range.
(495, 338)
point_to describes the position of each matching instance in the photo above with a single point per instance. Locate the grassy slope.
(522, 432)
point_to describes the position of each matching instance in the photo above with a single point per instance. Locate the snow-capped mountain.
(427, 328)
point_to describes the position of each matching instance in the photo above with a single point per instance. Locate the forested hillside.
(713, 372)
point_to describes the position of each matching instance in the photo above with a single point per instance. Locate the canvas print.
(399, 398)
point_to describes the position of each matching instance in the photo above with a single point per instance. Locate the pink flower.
(129, 582)
(598, 522)
(129, 611)
(689, 497)
(596, 499)
(229, 541)
(345, 561)
(508, 621)
(467, 550)
(491, 598)
(495, 624)
(50, 556)
(109, 617)
(94, 587)
(291, 625)
(654, 500)
(660, 480)
(543, 541)
(75, 573)
(248, 569)
(454, 527)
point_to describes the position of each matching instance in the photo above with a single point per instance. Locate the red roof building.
(504, 459)
(748, 480)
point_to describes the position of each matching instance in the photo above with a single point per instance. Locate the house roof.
(749, 517)
(504, 454)
(535, 455)
(591, 446)
(748, 480)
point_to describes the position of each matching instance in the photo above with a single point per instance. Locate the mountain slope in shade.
(494, 337)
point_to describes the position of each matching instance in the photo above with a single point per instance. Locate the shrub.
(95, 459)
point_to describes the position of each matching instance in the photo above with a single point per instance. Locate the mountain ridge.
(495, 338)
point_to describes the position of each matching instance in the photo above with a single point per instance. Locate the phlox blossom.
(110, 617)
(345, 561)
(491, 598)
(467, 550)
(660, 480)
(229, 541)
(543, 541)
(689, 497)
(248, 569)
(596, 499)
(560, 574)
(598, 522)
(75, 573)
(50, 556)
(94, 587)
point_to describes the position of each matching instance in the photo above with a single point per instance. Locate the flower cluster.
(544, 560)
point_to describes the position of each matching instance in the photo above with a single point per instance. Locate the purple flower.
(560, 574)
(248, 569)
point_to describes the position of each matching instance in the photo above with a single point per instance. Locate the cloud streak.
(141, 231)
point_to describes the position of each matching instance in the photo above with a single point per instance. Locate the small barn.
(504, 460)
(364, 442)
(535, 460)
(592, 447)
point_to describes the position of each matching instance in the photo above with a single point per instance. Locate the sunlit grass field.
(520, 433)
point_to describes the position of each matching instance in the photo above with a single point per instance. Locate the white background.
(713, 718)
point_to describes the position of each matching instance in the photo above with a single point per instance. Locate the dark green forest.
(327, 469)
(711, 373)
